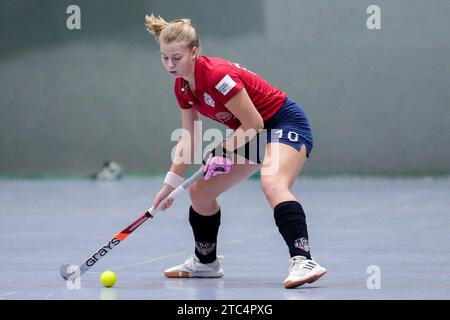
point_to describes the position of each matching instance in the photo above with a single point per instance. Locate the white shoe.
(193, 268)
(303, 270)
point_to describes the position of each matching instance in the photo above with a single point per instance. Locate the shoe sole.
(185, 274)
(177, 274)
(311, 279)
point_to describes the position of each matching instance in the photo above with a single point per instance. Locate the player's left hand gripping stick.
(71, 272)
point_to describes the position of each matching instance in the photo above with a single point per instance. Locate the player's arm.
(243, 108)
(187, 145)
(180, 164)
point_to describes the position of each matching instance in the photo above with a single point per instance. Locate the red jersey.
(217, 81)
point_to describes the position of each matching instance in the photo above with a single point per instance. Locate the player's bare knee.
(200, 195)
(271, 186)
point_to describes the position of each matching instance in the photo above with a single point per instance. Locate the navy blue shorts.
(289, 125)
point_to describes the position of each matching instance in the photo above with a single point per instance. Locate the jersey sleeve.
(183, 104)
(224, 82)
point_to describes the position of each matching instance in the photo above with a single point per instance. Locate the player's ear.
(194, 52)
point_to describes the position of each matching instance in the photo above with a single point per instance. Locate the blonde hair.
(180, 30)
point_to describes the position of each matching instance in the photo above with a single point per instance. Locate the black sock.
(205, 230)
(291, 221)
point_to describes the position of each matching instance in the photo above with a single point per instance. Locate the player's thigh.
(282, 164)
(212, 188)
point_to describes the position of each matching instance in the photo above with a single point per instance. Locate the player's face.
(178, 59)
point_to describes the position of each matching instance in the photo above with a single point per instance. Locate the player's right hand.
(164, 192)
(215, 165)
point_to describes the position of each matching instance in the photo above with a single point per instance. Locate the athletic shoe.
(303, 270)
(193, 268)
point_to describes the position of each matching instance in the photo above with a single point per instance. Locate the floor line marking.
(149, 261)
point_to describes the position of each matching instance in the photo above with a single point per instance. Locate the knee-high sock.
(291, 221)
(205, 230)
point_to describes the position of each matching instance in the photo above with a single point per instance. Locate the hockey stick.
(71, 272)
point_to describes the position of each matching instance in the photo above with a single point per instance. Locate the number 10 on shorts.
(291, 135)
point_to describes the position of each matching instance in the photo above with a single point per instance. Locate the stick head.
(69, 271)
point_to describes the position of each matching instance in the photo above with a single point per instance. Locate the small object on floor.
(108, 278)
(110, 171)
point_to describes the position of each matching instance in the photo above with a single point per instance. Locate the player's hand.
(215, 165)
(164, 192)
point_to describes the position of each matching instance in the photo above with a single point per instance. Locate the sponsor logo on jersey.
(208, 100)
(224, 116)
(225, 85)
